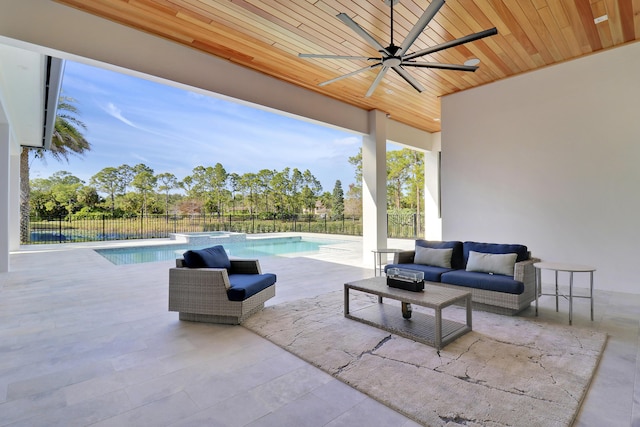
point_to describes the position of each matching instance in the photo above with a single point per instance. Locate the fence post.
(325, 224)
(415, 225)
(388, 231)
(60, 230)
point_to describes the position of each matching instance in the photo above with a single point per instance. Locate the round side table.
(377, 258)
(569, 268)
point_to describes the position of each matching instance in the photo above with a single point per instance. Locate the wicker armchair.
(200, 294)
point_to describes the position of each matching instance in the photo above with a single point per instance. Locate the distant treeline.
(137, 190)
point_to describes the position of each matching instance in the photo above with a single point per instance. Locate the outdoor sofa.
(206, 286)
(500, 277)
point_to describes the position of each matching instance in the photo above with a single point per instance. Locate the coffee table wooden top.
(432, 296)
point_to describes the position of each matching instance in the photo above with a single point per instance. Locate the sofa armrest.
(525, 272)
(404, 257)
(192, 289)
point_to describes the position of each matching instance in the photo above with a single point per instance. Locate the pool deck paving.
(85, 342)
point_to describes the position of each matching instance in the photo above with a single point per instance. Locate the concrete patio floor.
(85, 342)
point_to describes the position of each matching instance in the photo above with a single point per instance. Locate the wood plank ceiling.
(267, 35)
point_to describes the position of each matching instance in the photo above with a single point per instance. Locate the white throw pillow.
(491, 263)
(433, 257)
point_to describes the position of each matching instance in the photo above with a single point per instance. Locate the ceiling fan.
(398, 57)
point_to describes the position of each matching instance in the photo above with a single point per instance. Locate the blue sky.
(131, 120)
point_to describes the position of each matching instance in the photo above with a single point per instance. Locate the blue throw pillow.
(213, 257)
(496, 248)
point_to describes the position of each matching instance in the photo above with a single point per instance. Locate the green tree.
(354, 195)
(280, 185)
(109, 181)
(67, 140)
(337, 200)
(167, 182)
(219, 177)
(187, 184)
(398, 163)
(144, 181)
(234, 186)
(249, 186)
(264, 188)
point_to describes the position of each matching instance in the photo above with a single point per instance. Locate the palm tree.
(67, 139)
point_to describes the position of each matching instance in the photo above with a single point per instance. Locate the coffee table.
(432, 330)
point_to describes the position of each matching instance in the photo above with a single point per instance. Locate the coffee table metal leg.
(570, 297)
(469, 321)
(591, 294)
(538, 286)
(346, 300)
(556, 290)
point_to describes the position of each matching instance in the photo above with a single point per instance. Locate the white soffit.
(22, 93)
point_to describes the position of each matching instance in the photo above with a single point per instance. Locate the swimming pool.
(249, 248)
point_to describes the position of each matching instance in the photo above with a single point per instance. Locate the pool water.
(250, 248)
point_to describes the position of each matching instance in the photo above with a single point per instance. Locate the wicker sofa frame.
(200, 294)
(492, 301)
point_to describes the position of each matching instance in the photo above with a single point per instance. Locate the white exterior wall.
(551, 159)
(5, 169)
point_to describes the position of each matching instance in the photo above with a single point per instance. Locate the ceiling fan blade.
(376, 82)
(353, 73)
(408, 78)
(439, 66)
(453, 43)
(422, 23)
(328, 56)
(361, 32)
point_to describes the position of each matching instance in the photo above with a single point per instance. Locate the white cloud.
(116, 113)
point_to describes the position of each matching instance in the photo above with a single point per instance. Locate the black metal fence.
(64, 230)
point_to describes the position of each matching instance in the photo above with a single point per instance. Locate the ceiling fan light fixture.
(393, 61)
(396, 57)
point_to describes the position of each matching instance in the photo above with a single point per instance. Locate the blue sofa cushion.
(495, 248)
(244, 286)
(486, 281)
(213, 257)
(457, 260)
(431, 273)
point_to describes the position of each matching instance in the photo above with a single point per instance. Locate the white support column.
(5, 206)
(432, 219)
(374, 186)
(14, 201)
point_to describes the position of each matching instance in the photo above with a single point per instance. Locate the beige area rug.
(509, 371)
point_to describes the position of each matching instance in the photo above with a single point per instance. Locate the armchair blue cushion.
(245, 285)
(213, 257)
